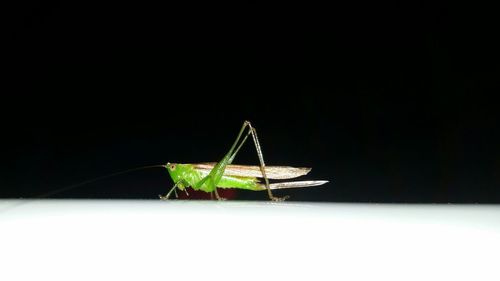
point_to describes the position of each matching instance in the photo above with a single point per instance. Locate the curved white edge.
(234, 240)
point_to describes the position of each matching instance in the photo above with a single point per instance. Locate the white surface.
(207, 240)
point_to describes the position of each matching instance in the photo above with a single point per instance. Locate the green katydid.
(210, 176)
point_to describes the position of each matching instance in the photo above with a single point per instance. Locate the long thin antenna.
(66, 188)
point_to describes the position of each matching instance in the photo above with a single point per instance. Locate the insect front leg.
(176, 185)
(165, 197)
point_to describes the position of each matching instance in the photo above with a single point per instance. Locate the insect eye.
(172, 167)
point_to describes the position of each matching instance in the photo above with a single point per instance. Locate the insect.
(208, 177)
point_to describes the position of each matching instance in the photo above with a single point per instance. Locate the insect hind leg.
(253, 132)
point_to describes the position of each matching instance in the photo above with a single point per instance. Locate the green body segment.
(185, 175)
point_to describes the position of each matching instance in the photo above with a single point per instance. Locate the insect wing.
(294, 184)
(272, 172)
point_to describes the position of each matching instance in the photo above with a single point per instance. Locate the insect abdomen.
(238, 182)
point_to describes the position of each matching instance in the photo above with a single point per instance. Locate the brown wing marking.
(272, 172)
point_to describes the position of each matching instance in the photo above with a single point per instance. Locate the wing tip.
(321, 182)
(295, 184)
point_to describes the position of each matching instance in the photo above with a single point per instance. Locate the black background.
(392, 102)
